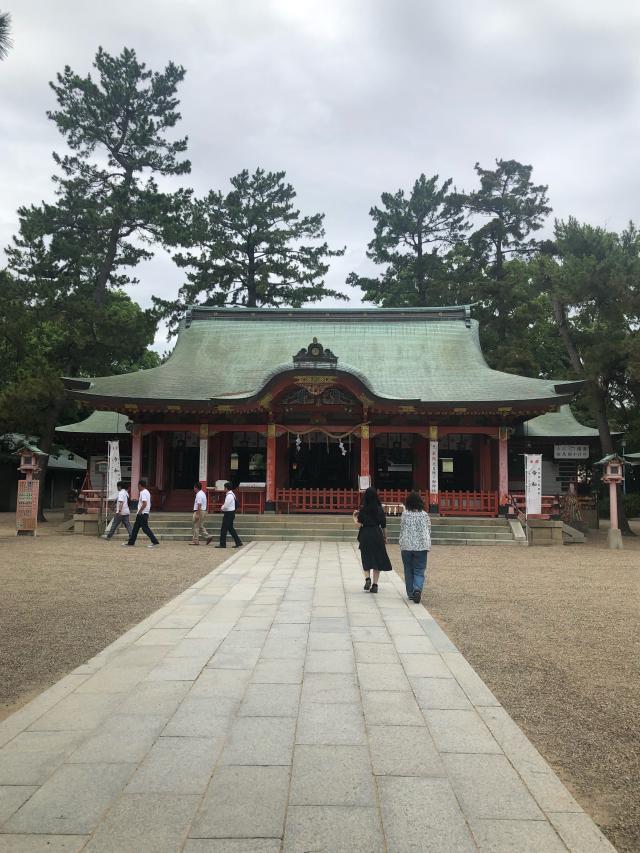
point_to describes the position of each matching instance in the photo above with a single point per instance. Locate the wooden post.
(434, 487)
(503, 470)
(365, 453)
(204, 455)
(270, 503)
(136, 460)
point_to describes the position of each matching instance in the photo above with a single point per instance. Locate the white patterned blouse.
(415, 530)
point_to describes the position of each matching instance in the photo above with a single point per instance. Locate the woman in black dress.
(372, 537)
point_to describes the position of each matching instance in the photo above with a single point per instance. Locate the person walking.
(122, 513)
(142, 518)
(372, 538)
(415, 544)
(199, 512)
(228, 515)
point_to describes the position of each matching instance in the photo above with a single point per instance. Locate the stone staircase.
(336, 528)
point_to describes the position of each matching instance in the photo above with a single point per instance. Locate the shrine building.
(302, 408)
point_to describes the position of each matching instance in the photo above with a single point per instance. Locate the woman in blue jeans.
(415, 544)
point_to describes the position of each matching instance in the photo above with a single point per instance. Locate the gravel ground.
(553, 632)
(63, 598)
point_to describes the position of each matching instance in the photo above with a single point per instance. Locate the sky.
(351, 98)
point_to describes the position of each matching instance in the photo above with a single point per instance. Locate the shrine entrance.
(316, 461)
(185, 457)
(456, 462)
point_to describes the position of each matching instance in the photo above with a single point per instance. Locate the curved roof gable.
(431, 355)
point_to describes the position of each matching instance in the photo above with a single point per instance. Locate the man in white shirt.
(199, 512)
(228, 514)
(122, 512)
(142, 518)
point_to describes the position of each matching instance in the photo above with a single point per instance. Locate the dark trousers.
(115, 524)
(415, 567)
(142, 521)
(227, 527)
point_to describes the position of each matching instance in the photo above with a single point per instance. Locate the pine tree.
(251, 247)
(418, 238)
(72, 257)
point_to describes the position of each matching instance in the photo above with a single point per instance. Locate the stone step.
(343, 535)
(269, 537)
(300, 521)
(313, 519)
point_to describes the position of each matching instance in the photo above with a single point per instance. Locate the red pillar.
(136, 460)
(365, 455)
(270, 504)
(503, 470)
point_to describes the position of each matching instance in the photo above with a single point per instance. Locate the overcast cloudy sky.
(351, 98)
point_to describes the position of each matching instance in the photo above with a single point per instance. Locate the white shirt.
(123, 497)
(144, 496)
(200, 501)
(229, 504)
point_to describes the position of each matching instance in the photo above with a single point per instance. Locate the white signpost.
(113, 469)
(570, 451)
(533, 483)
(433, 468)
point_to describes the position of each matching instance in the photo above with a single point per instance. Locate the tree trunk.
(420, 276)
(597, 400)
(100, 290)
(45, 444)
(251, 277)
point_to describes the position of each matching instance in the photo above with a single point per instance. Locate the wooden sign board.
(27, 506)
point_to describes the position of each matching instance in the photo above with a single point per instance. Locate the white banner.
(533, 483)
(113, 469)
(204, 453)
(433, 467)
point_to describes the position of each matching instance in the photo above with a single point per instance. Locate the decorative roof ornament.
(315, 355)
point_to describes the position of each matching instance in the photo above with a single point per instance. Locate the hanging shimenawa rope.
(327, 432)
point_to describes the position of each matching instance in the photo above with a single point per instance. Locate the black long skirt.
(373, 551)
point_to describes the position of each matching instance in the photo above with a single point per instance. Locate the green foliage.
(418, 239)
(62, 303)
(250, 247)
(108, 207)
(514, 208)
(630, 504)
(593, 282)
(6, 42)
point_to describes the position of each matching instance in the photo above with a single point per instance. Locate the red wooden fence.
(317, 500)
(346, 500)
(468, 503)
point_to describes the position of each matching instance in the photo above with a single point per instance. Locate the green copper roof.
(108, 423)
(60, 459)
(431, 355)
(560, 424)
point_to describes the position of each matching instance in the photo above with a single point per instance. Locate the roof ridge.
(240, 312)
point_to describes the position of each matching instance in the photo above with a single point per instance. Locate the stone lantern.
(613, 474)
(28, 490)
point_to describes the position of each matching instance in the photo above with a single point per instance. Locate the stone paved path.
(275, 706)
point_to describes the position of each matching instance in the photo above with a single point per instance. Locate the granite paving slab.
(275, 706)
